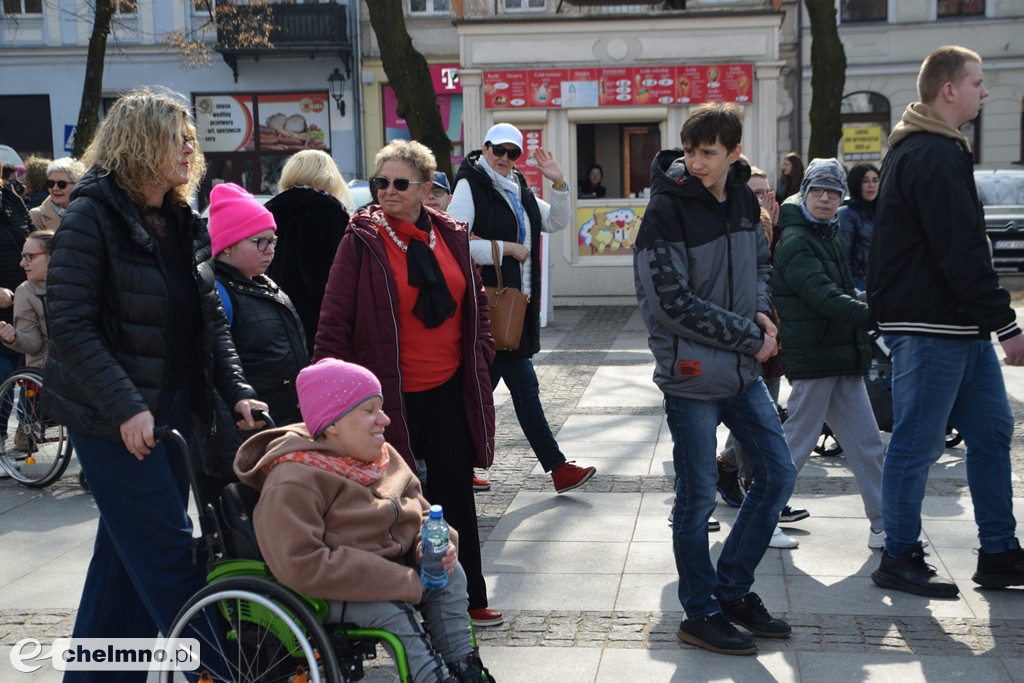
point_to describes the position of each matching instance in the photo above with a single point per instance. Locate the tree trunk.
(409, 76)
(828, 79)
(92, 88)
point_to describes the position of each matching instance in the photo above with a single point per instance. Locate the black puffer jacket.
(310, 224)
(108, 311)
(268, 335)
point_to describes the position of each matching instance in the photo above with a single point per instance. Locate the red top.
(428, 357)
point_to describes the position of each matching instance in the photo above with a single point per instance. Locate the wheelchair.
(252, 628)
(35, 451)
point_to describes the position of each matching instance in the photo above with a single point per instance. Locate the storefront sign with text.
(618, 87)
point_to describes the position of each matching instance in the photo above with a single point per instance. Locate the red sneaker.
(568, 476)
(481, 484)
(486, 617)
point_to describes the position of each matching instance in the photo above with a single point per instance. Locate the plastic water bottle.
(435, 547)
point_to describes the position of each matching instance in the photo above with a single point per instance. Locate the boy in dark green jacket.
(823, 327)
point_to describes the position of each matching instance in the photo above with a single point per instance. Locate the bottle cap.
(436, 512)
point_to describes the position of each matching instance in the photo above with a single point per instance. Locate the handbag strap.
(497, 263)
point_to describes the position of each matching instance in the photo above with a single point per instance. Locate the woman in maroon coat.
(404, 300)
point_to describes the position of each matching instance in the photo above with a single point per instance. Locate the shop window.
(523, 5)
(972, 131)
(25, 125)
(961, 8)
(865, 10)
(23, 6)
(426, 7)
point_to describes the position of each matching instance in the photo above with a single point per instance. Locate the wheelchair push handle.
(258, 415)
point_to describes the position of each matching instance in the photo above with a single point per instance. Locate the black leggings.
(439, 435)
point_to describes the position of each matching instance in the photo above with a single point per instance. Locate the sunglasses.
(28, 256)
(262, 243)
(59, 183)
(512, 152)
(401, 184)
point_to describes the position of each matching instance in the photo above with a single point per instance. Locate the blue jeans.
(141, 571)
(934, 382)
(521, 380)
(754, 422)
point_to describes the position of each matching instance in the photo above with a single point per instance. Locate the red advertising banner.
(527, 165)
(618, 87)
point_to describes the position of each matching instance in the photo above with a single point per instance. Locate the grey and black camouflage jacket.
(701, 272)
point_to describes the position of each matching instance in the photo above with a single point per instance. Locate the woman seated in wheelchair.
(339, 518)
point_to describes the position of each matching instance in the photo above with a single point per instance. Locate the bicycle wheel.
(252, 629)
(35, 451)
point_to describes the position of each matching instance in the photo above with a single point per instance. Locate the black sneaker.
(716, 633)
(909, 573)
(729, 484)
(750, 613)
(788, 515)
(1000, 570)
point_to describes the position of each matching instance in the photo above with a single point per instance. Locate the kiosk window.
(624, 152)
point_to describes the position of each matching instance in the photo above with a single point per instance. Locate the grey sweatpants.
(843, 403)
(438, 635)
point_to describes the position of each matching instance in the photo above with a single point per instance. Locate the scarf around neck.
(359, 471)
(920, 117)
(434, 303)
(826, 230)
(510, 187)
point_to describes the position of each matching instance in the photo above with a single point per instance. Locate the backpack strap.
(225, 300)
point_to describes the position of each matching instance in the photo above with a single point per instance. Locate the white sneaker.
(876, 540)
(781, 540)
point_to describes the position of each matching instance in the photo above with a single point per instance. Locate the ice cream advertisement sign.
(618, 87)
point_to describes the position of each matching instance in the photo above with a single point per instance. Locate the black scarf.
(434, 304)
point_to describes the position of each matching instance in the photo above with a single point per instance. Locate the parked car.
(1002, 196)
(361, 195)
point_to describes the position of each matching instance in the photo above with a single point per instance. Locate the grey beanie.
(826, 173)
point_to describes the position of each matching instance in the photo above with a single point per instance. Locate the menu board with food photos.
(618, 87)
(293, 121)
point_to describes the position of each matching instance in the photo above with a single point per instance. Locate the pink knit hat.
(330, 389)
(234, 215)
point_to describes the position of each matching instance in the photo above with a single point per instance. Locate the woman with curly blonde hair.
(311, 212)
(137, 338)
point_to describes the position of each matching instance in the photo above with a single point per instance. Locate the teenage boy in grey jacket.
(701, 265)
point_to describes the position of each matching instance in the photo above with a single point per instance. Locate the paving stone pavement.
(579, 344)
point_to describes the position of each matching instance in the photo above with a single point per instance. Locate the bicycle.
(35, 451)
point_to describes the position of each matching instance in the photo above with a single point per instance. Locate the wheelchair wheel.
(252, 629)
(35, 451)
(827, 444)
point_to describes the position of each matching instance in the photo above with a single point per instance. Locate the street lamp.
(337, 84)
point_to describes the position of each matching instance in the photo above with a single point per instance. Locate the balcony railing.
(265, 30)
